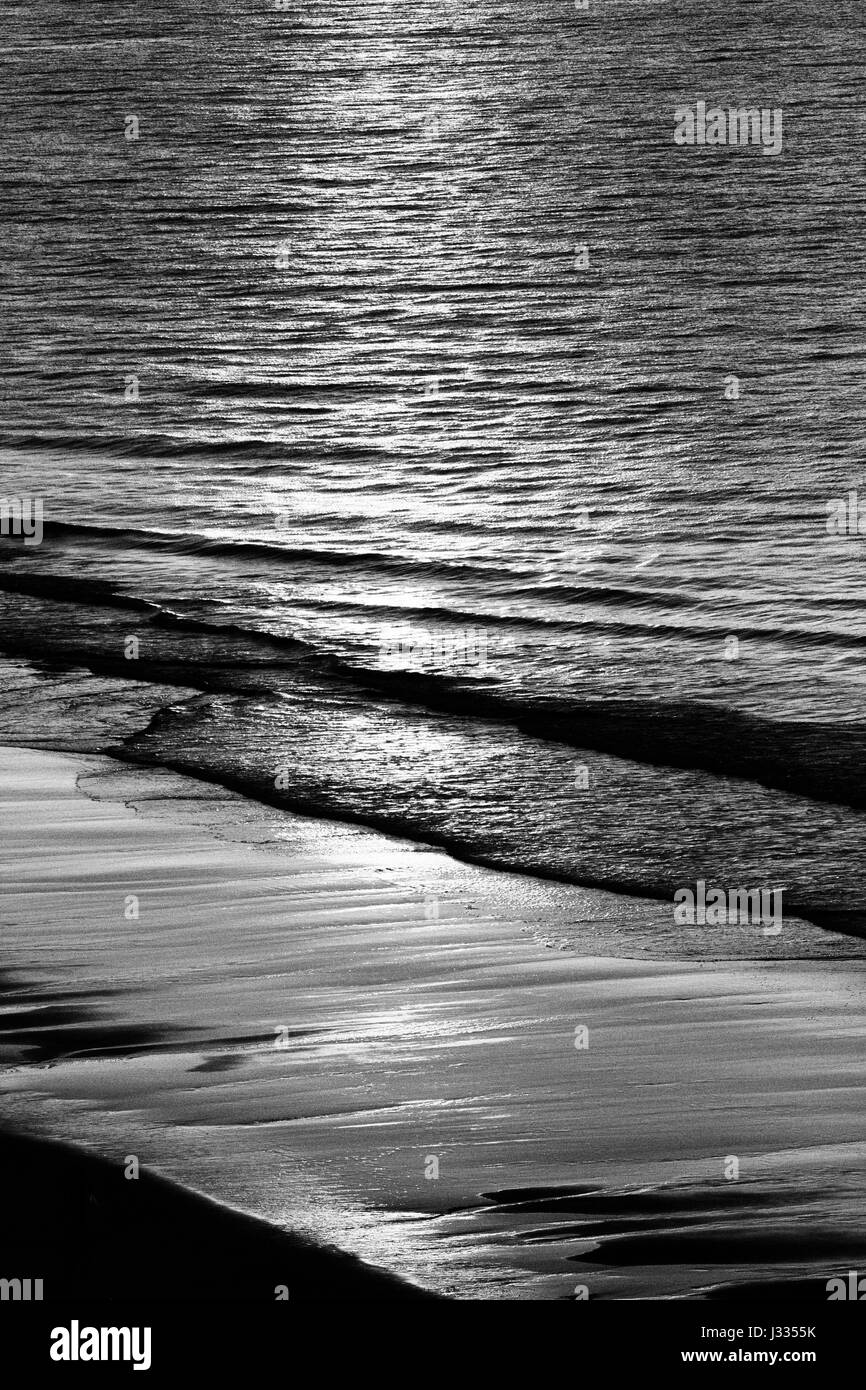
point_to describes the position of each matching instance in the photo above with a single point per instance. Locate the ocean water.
(373, 364)
(426, 442)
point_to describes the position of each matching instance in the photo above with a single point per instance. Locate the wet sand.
(90, 1230)
(381, 1048)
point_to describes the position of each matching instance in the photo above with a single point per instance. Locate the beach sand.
(90, 1231)
(478, 1081)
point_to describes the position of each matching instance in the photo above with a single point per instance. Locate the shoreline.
(298, 1027)
(88, 1231)
(152, 729)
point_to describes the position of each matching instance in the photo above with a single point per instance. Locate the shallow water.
(376, 398)
(321, 348)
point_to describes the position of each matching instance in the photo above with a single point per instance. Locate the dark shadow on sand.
(41, 1025)
(89, 1232)
(741, 1248)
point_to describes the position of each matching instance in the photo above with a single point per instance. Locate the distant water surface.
(378, 388)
